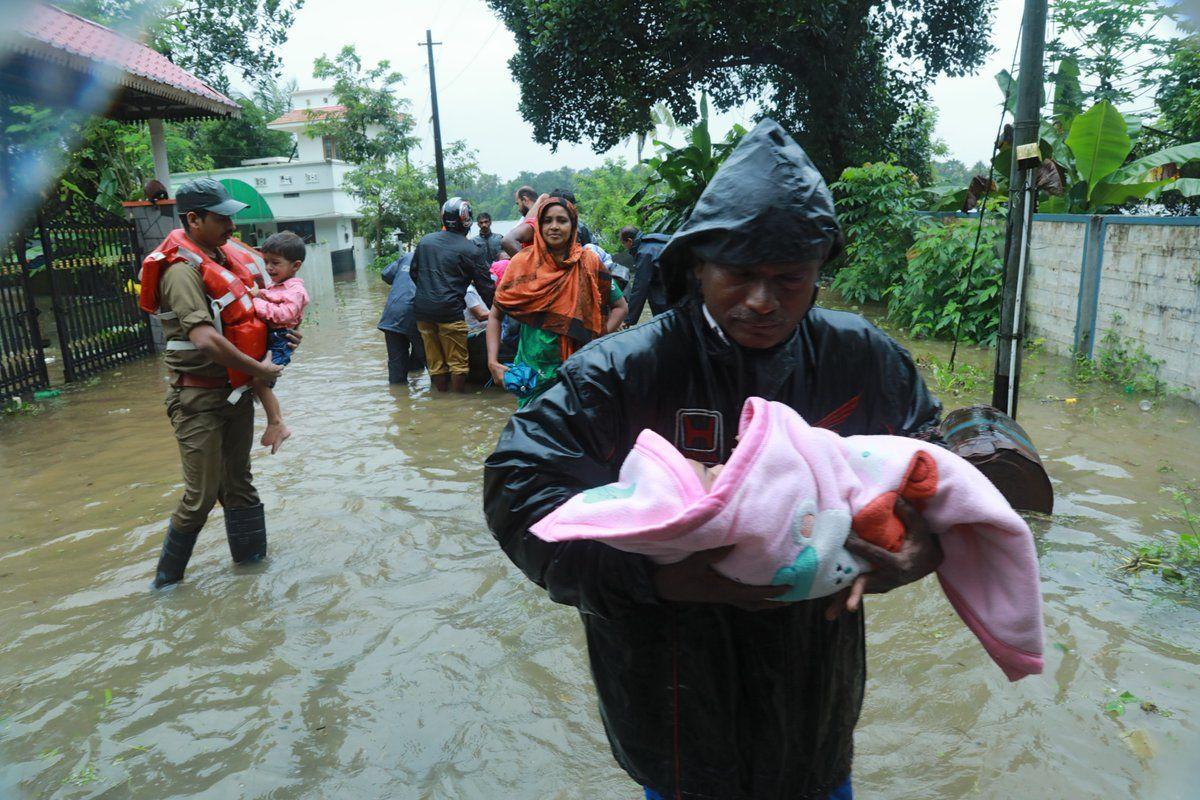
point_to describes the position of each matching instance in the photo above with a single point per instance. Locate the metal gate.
(93, 261)
(22, 362)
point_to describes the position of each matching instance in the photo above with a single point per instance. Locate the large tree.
(375, 125)
(230, 141)
(206, 37)
(839, 74)
(1119, 46)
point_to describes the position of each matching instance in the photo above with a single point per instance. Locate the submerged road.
(387, 648)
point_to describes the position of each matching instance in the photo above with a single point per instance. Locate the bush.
(875, 204)
(383, 260)
(1122, 361)
(937, 288)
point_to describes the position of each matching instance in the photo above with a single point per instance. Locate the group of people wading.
(708, 688)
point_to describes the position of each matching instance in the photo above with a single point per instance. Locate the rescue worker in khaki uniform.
(214, 424)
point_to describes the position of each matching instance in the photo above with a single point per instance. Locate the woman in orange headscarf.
(559, 294)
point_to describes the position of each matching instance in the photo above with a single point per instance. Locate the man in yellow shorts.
(443, 266)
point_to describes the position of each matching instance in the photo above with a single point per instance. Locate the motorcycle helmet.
(456, 215)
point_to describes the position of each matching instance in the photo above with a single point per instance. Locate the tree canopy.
(839, 74)
(375, 125)
(207, 36)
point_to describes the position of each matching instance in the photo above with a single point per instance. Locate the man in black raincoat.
(709, 688)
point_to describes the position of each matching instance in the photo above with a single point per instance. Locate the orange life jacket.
(227, 288)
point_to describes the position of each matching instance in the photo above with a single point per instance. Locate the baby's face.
(707, 475)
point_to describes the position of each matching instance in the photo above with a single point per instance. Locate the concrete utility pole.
(437, 125)
(1022, 184)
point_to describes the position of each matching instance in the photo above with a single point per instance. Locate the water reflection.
(388, 649)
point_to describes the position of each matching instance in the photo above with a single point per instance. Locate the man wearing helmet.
(443, 266)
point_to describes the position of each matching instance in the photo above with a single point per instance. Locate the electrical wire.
(495, 28)
(970, 271)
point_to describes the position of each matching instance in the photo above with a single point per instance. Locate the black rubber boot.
(247, 532)
(177, 549)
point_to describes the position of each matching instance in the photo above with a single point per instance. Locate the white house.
(302, 193)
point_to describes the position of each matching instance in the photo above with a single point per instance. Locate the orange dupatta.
(568, 299)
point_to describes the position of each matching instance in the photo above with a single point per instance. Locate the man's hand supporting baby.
(694, 580)
(919, 554)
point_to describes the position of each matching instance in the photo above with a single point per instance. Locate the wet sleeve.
(639, 288)
(555, 448)
(481, 277)
(915, 412)
(389, 272)
(182, 292)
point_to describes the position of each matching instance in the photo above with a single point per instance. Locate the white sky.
(478, 97)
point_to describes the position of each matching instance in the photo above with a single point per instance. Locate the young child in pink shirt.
(281, 306)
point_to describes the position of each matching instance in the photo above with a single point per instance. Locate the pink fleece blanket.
(788, 497)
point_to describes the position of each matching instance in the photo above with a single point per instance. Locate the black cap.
(206, 194)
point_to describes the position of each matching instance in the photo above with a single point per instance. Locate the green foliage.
(874, 204)
(678, 175)
(963, 380)
(1104, 37)
(113, 161)
(375, 125)
(603, 194)
(1178, 558)
(228, 142)
(937, 293)
(920, 267)
(381, 261)
(914, 145)
(837, 74)
(1178, 94)
(1121, 361)
(1092, 153)
(952, 172)
(108, 162)
(1099, 142)
(395, 200)
(206, 37)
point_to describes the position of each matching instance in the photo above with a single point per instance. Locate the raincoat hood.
(767, 203)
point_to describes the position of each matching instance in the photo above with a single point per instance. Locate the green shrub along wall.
(920, 266)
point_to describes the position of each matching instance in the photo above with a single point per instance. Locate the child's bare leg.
(276, 431)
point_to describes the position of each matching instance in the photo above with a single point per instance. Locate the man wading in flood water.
(709, 688)
(194, 282)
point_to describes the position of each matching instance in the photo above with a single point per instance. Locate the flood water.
(387, 648)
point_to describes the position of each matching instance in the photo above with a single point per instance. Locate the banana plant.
(1094, 159)
(1086, 167)
(678, 175)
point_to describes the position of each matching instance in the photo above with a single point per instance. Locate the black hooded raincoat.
(707, 700)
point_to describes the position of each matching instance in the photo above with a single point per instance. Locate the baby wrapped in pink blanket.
(788, 497)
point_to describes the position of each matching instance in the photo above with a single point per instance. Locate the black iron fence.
(87, 260)
(93, 267)
(22, 361)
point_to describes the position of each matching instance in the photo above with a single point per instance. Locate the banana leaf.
(1114, 194)
(1179, 154)
(1188, 187)
(1008, 88)
(1099, 142)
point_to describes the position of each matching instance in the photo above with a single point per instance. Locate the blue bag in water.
(521, 380)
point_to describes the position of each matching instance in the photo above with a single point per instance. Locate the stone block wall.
(1055, 253)
(1149, 289)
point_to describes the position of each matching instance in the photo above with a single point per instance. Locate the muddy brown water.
(388, 649)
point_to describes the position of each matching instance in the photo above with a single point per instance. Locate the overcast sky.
(478, 97)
